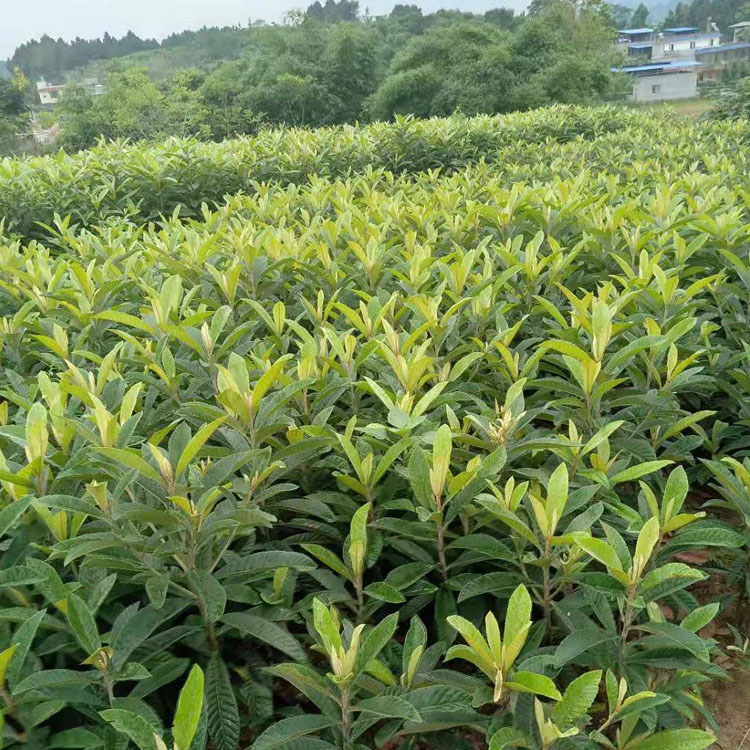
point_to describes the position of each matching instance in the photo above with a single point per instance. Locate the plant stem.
(360, 597)
(627, 619)
(441, 550)
(345, 719)
(547, 590)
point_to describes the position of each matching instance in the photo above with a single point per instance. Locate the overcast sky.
(21, 20)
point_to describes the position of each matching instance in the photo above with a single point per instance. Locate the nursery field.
(417, 435)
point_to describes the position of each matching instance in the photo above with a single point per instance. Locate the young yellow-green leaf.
(196, 443)
(494, 641)
(557, 496)
(638, 471)
(267, 380)
(325, 627)
(517, 624)
(37, 434)
(647, 539)
(473, 637)
(675, 492)
(132, 461)
(331, 559)
(601, 551)
(530, 682)
(5, 657)
(189, 707)
(441, 459)
(700, 617)
(675, 739)
(358, 538)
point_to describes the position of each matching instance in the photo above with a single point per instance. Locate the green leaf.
(505, 738)
(530, 682)
(132, 725)
(11, 514)
(286, 730)
(23, 638)
(139, 627)
(389, 707)
(577, 699)
(600, 550)
(700, 617)
(670, 634)
(83, 624)
(73, 738)
(675, 739)
(53, 678)
(211, 593)
(331, 559)
(374, 642)
(132, 461)
(638, 471)
(667, 578)
(266, 631)
(647, 539)
(385, 593)
(196, 443)
(579, 642)
(156, 589)
(189, 707)
(221, 707)
(309, 682)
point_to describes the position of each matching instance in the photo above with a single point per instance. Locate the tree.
(621, 15)
(462, 66)
(130, 107)
(409, 18)
(639, 17)
(12, 95)
(505, 18)
(349, 70)
(14, 116)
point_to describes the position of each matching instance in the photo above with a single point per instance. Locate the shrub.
(392, 459)
(145, 182)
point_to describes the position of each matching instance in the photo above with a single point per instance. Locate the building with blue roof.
(714, 59)
(664, 80)
(668, 64)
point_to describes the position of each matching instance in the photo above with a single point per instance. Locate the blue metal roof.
(640, 46)
(634, 31)
(656, 67)
(722, 47)
(679, 29)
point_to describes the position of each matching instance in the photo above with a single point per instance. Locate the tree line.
(332, 64)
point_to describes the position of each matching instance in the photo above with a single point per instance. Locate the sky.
(21, 20)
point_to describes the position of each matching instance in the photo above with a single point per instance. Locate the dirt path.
(730, 703)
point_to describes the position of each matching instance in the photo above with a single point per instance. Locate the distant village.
(669, 64)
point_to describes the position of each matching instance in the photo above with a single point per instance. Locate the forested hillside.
(324, 69)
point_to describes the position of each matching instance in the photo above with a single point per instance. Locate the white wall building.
(51, 93)
(677, 42)
(741, 31)
(661, 81)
